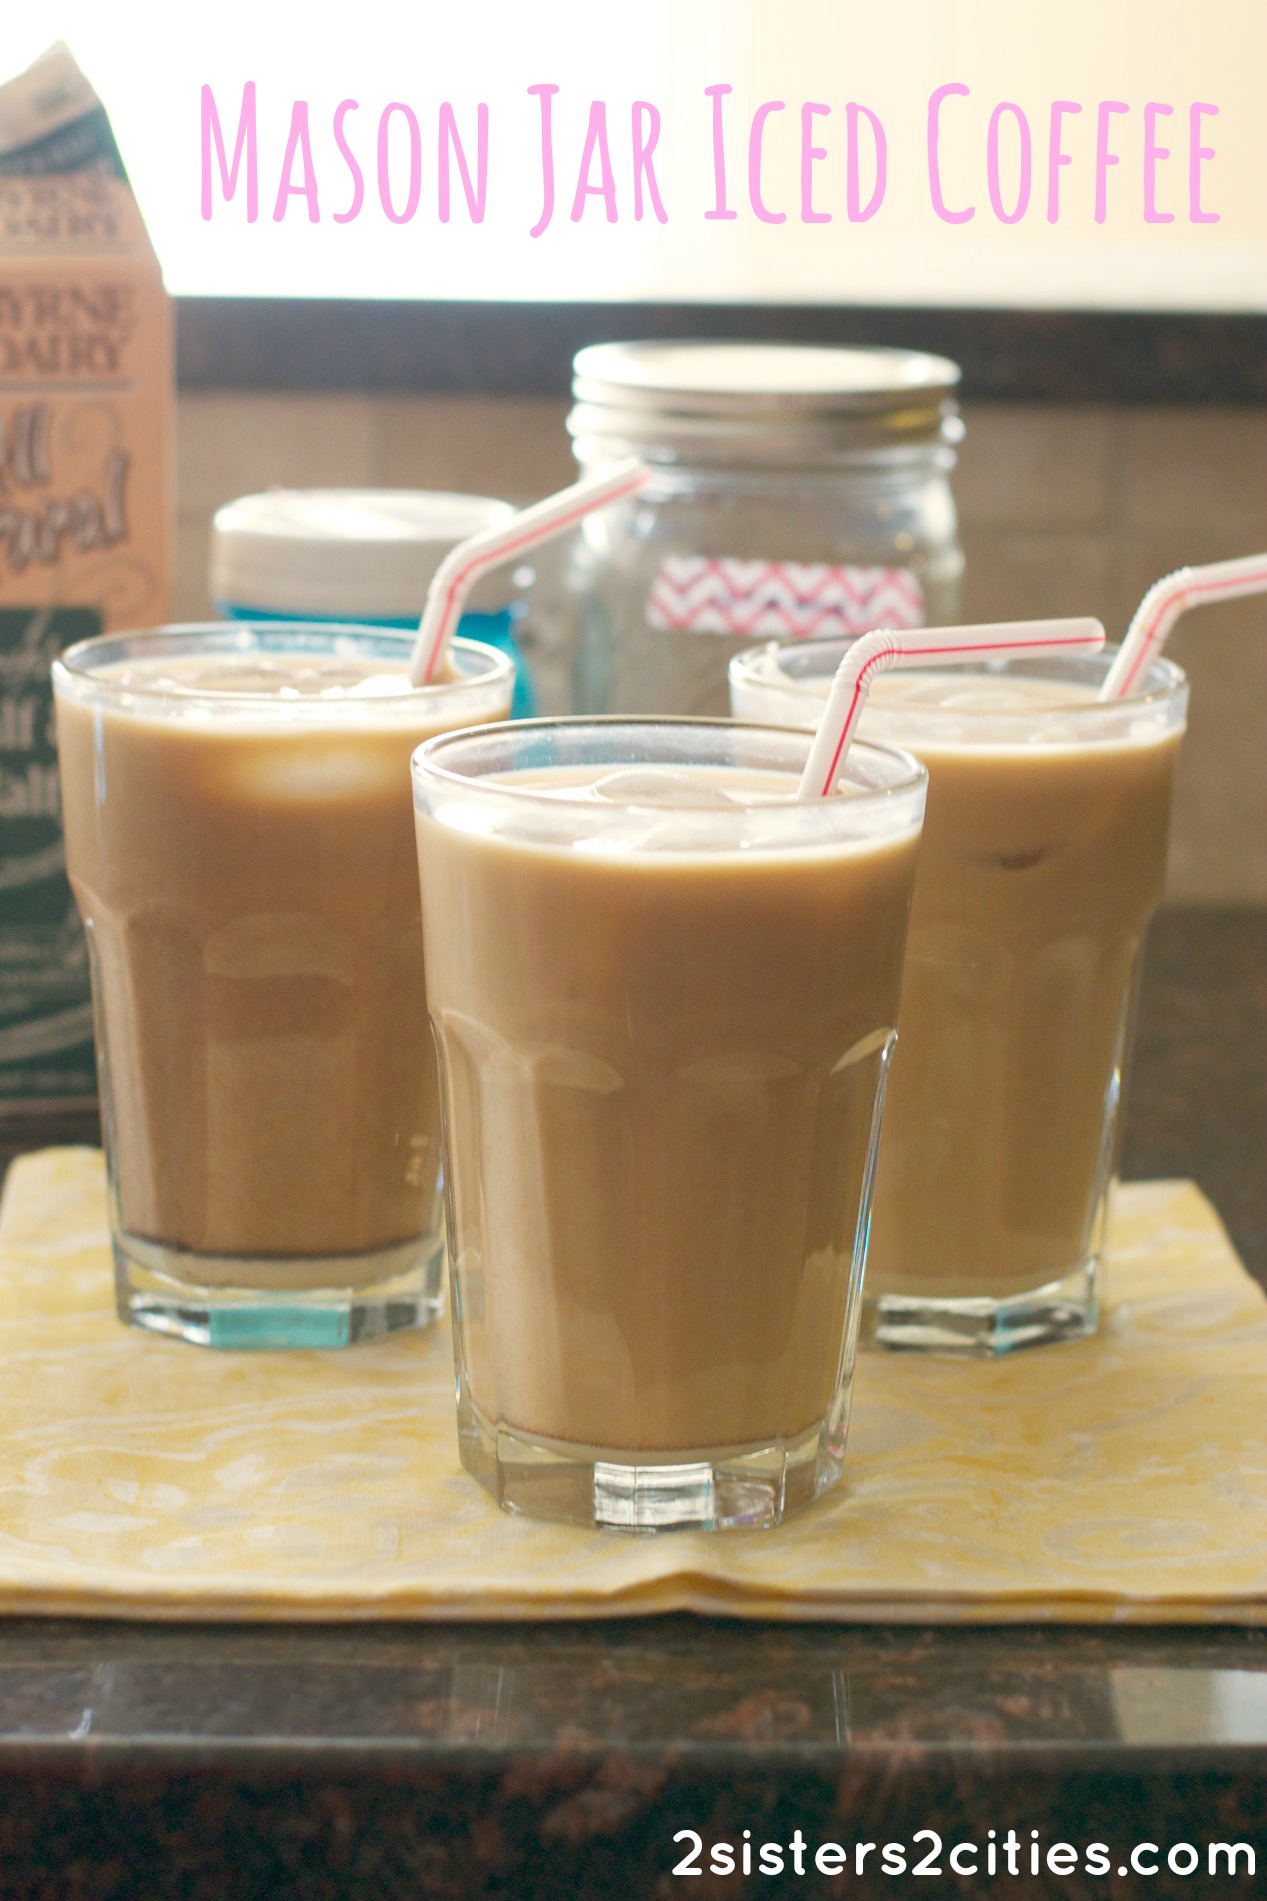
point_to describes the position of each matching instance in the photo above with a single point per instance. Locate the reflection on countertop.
(718, 1689)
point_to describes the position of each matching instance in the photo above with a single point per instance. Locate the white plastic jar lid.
(352, 553)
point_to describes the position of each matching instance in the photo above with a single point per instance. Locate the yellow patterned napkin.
(1123, 1478)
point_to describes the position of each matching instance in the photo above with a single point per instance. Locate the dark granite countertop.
(141, 1762)
(563, 1760)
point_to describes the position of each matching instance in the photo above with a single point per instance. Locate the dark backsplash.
(527, 349)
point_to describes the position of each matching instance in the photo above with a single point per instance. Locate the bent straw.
(463, 565)
(1161, 607)
(916, 647)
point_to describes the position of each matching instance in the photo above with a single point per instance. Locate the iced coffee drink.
(239, 838)
(664, 996)
(1043, 859)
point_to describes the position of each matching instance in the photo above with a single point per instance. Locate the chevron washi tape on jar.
(786, 600)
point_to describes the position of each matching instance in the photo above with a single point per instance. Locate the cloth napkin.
(1122, 1478)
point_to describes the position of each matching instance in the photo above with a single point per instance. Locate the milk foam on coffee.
(661, 1062)
(240, 843)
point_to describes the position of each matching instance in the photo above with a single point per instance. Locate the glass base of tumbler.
(729, 1488)
(348, 1299)
(983, 1325)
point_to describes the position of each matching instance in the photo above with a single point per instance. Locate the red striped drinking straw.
(1161, 607)
(922, 647)
(463, 565)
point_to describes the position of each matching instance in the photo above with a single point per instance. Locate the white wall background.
(149, 60)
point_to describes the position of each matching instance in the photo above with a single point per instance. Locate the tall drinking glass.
(1044, 857)
(239, 838)
(664, 995)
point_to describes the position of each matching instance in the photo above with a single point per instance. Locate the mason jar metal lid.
(786, 402)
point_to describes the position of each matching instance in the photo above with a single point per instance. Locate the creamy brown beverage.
(664, 997)
(1044, 864)
(1043, 859)
(240, 844)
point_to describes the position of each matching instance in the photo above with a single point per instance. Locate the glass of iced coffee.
(239, 838)
(1043, 859)
(664, 994)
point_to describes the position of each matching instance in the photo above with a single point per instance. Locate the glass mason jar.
(797, 491)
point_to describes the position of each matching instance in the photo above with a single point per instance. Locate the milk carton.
(85, 518)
